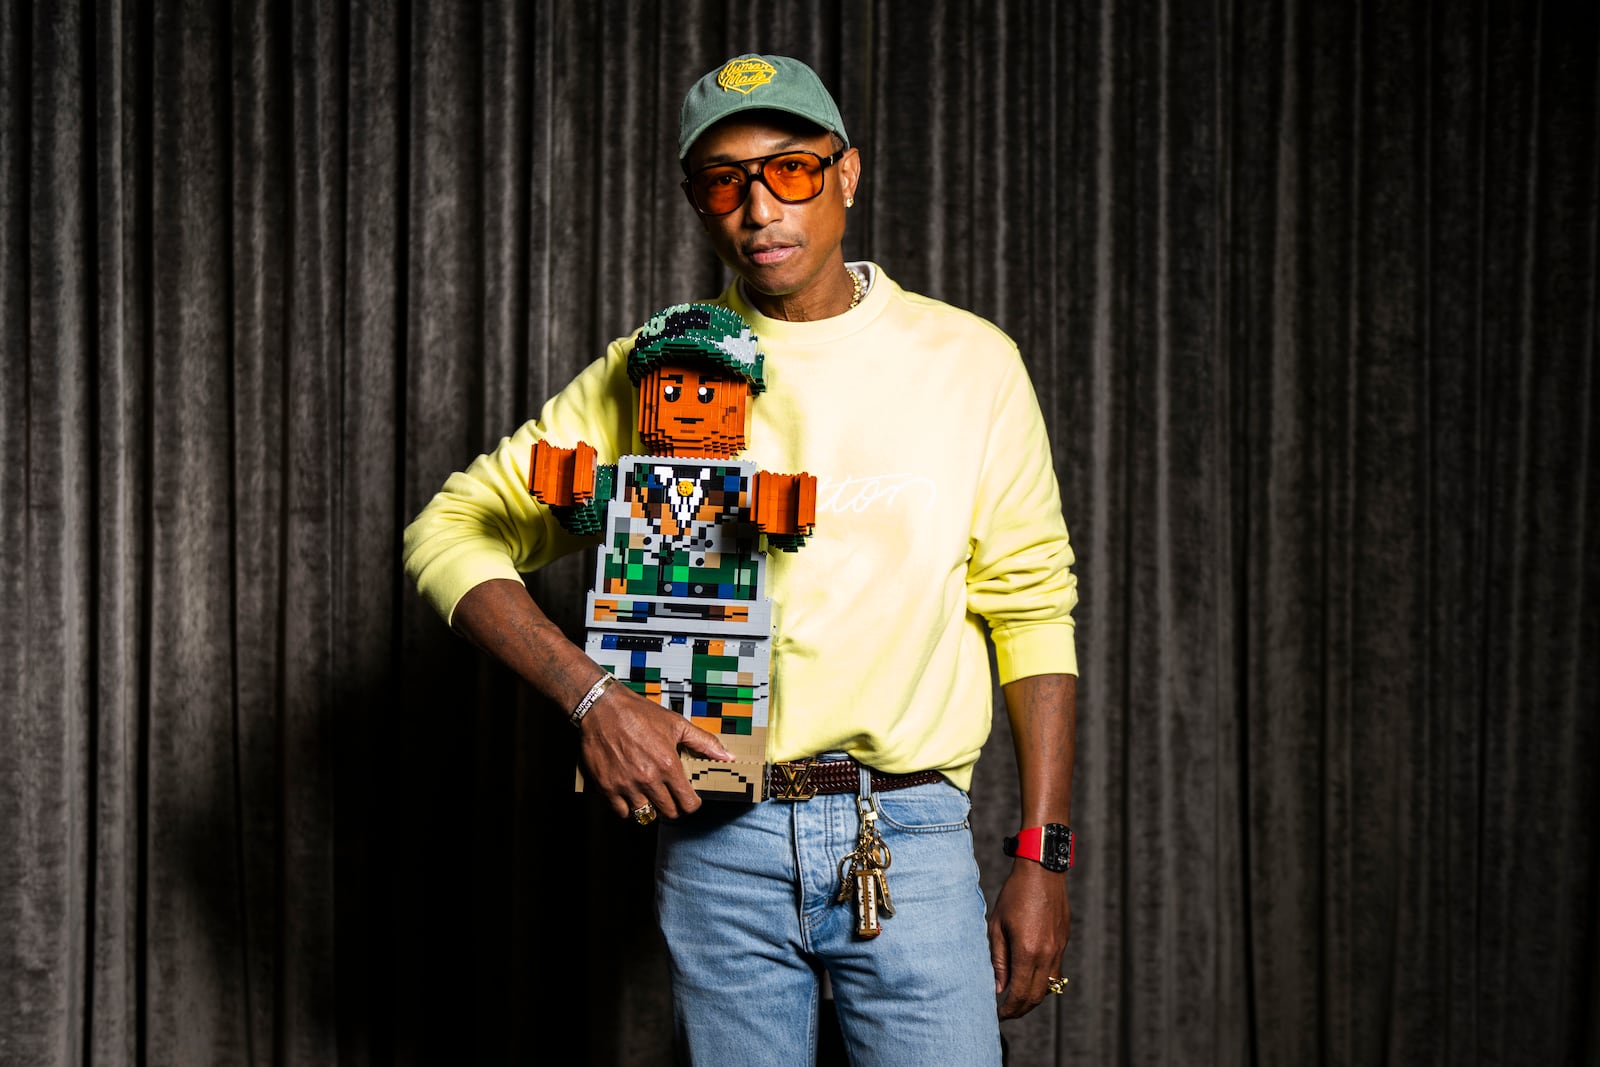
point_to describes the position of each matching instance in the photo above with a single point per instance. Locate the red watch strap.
(1030, 843)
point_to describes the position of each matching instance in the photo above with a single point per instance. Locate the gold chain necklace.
(859, 286)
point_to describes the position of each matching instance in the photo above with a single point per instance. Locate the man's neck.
(830, 295)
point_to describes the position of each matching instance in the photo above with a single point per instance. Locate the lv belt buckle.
(796, 780)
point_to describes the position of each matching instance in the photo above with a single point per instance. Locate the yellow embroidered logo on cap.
(742, 75)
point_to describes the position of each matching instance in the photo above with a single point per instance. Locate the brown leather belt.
(803, 779)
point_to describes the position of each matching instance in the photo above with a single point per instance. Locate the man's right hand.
(629, 749)
(629, 745)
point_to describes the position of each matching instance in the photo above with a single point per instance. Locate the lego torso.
(681, 528)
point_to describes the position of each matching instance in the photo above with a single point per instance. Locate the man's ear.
(850, 173)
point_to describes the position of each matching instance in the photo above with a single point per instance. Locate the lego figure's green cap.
(698, 332)
(748, 82)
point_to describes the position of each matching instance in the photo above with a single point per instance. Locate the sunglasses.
(793, 177)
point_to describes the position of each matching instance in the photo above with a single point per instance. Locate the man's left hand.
(1028, 933)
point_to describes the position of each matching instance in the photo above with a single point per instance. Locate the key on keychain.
(861, 874)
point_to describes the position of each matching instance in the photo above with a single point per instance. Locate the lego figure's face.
(692, 410)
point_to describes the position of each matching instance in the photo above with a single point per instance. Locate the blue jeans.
(745, 896)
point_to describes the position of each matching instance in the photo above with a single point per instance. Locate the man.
(937, 514)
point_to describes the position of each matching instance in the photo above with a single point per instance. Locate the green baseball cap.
(748, 82)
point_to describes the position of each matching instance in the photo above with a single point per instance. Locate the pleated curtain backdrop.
(1309, 292)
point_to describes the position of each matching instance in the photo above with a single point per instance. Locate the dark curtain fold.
(1309, 293)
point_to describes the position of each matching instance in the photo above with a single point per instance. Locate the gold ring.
(1057, 985)
(644, 814)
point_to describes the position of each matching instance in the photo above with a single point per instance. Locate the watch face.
(1057, 850)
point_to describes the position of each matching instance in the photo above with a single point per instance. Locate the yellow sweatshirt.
(937, 512)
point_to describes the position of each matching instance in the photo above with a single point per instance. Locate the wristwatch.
(1050, 845)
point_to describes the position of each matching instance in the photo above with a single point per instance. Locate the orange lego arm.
(562, 477)
(786, 504)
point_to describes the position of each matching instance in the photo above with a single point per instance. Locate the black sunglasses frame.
(759, 174)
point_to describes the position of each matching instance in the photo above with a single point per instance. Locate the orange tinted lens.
(719, 190)
(797, 176)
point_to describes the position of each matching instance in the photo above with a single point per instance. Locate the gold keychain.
(862, 875)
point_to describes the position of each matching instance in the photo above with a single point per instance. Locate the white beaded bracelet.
(605, 681)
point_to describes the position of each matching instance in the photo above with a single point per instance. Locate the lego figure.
(678, 610)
